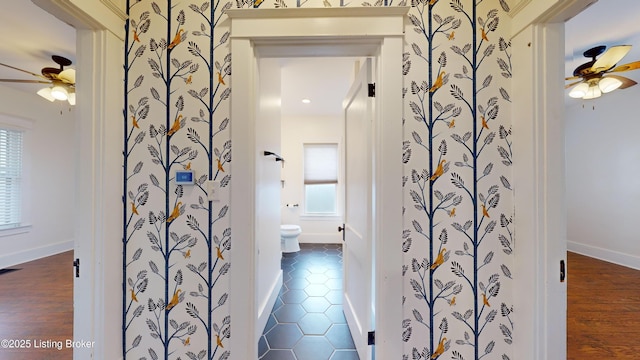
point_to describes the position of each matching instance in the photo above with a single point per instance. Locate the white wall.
(296, 131)
(48, 176)
(603, 167)
(268, 191)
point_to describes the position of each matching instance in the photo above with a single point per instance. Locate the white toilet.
(289, 238)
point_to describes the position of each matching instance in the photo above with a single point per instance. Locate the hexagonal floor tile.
(318, 278)
(334, 284)
(299, 273)
(313, 348)
(263, 347)
(271, 322)
(283, 336)
(345, 355)
(316, 304)
(340, 337)
(289, 313)
(293, 296)
(334, 297)
(296, 284)
(334, 273)
(279, 355)
(316, 269)
(316, 290)
(314, 324)
(333, 252)
(335, 314)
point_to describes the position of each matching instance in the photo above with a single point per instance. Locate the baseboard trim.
(320, 238)
(34, 254)
(607, 255)
(265, 308)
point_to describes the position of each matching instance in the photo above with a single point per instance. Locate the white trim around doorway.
(332, 32)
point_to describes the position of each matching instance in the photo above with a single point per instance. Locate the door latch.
(76, 264)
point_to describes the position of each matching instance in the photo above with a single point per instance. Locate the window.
(320, 178)
(10, 178)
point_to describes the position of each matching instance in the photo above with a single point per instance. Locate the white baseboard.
(265, 307)
(608, 255)
(34, 254)
(320, 238)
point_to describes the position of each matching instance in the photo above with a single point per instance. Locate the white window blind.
(10, 178)
(321, 163)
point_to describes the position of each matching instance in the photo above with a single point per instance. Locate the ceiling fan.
(595, 75)
(61, 81)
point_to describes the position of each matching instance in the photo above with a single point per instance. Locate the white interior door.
(357, 247)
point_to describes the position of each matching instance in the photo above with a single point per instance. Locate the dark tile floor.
(307, 322)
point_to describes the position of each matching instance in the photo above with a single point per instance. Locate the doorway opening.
(338, 36)
(326, 150)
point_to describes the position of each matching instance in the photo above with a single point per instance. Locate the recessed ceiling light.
(306, 101)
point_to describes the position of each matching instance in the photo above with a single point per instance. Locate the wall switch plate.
(213, 191)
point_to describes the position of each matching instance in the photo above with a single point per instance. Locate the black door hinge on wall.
(371, 338)
(372, 90)
(76, 264)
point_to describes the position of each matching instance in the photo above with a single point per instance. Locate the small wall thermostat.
(184, 177)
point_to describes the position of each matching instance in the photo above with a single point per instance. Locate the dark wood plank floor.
(603, 314)
(36, 304)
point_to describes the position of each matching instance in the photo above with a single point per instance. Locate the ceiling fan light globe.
(593, 92)
(59, 93)
(579, 90)
(46, 93)
(608, 84)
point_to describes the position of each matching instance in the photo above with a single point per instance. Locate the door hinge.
(563, 271)
(76, 264)
(371, 338)
(372, 90)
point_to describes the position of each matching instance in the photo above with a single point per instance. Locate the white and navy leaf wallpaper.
(458, 239)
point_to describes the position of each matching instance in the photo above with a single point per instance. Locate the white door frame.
(539, 175)
(302, 32)
(98, 292)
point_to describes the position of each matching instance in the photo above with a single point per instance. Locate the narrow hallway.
(307, 321)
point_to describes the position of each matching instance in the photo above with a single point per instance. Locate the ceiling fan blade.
(24, 71)
(626, 82)
(573, 77)
(627, 67)
(573, 83)
(25, 81)
(68, 76)
(610, 58)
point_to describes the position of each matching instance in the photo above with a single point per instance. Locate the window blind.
(10, 178)
(321, 163)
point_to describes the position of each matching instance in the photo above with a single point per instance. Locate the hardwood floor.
(603, 310)
(36, 309)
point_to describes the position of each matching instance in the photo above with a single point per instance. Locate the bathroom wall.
(296, 131)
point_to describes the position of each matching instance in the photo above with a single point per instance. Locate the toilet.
(289, 238)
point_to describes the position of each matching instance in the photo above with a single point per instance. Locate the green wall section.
(458, 239)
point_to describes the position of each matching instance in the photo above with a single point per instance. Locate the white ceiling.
(325, 81)
(31, 36)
